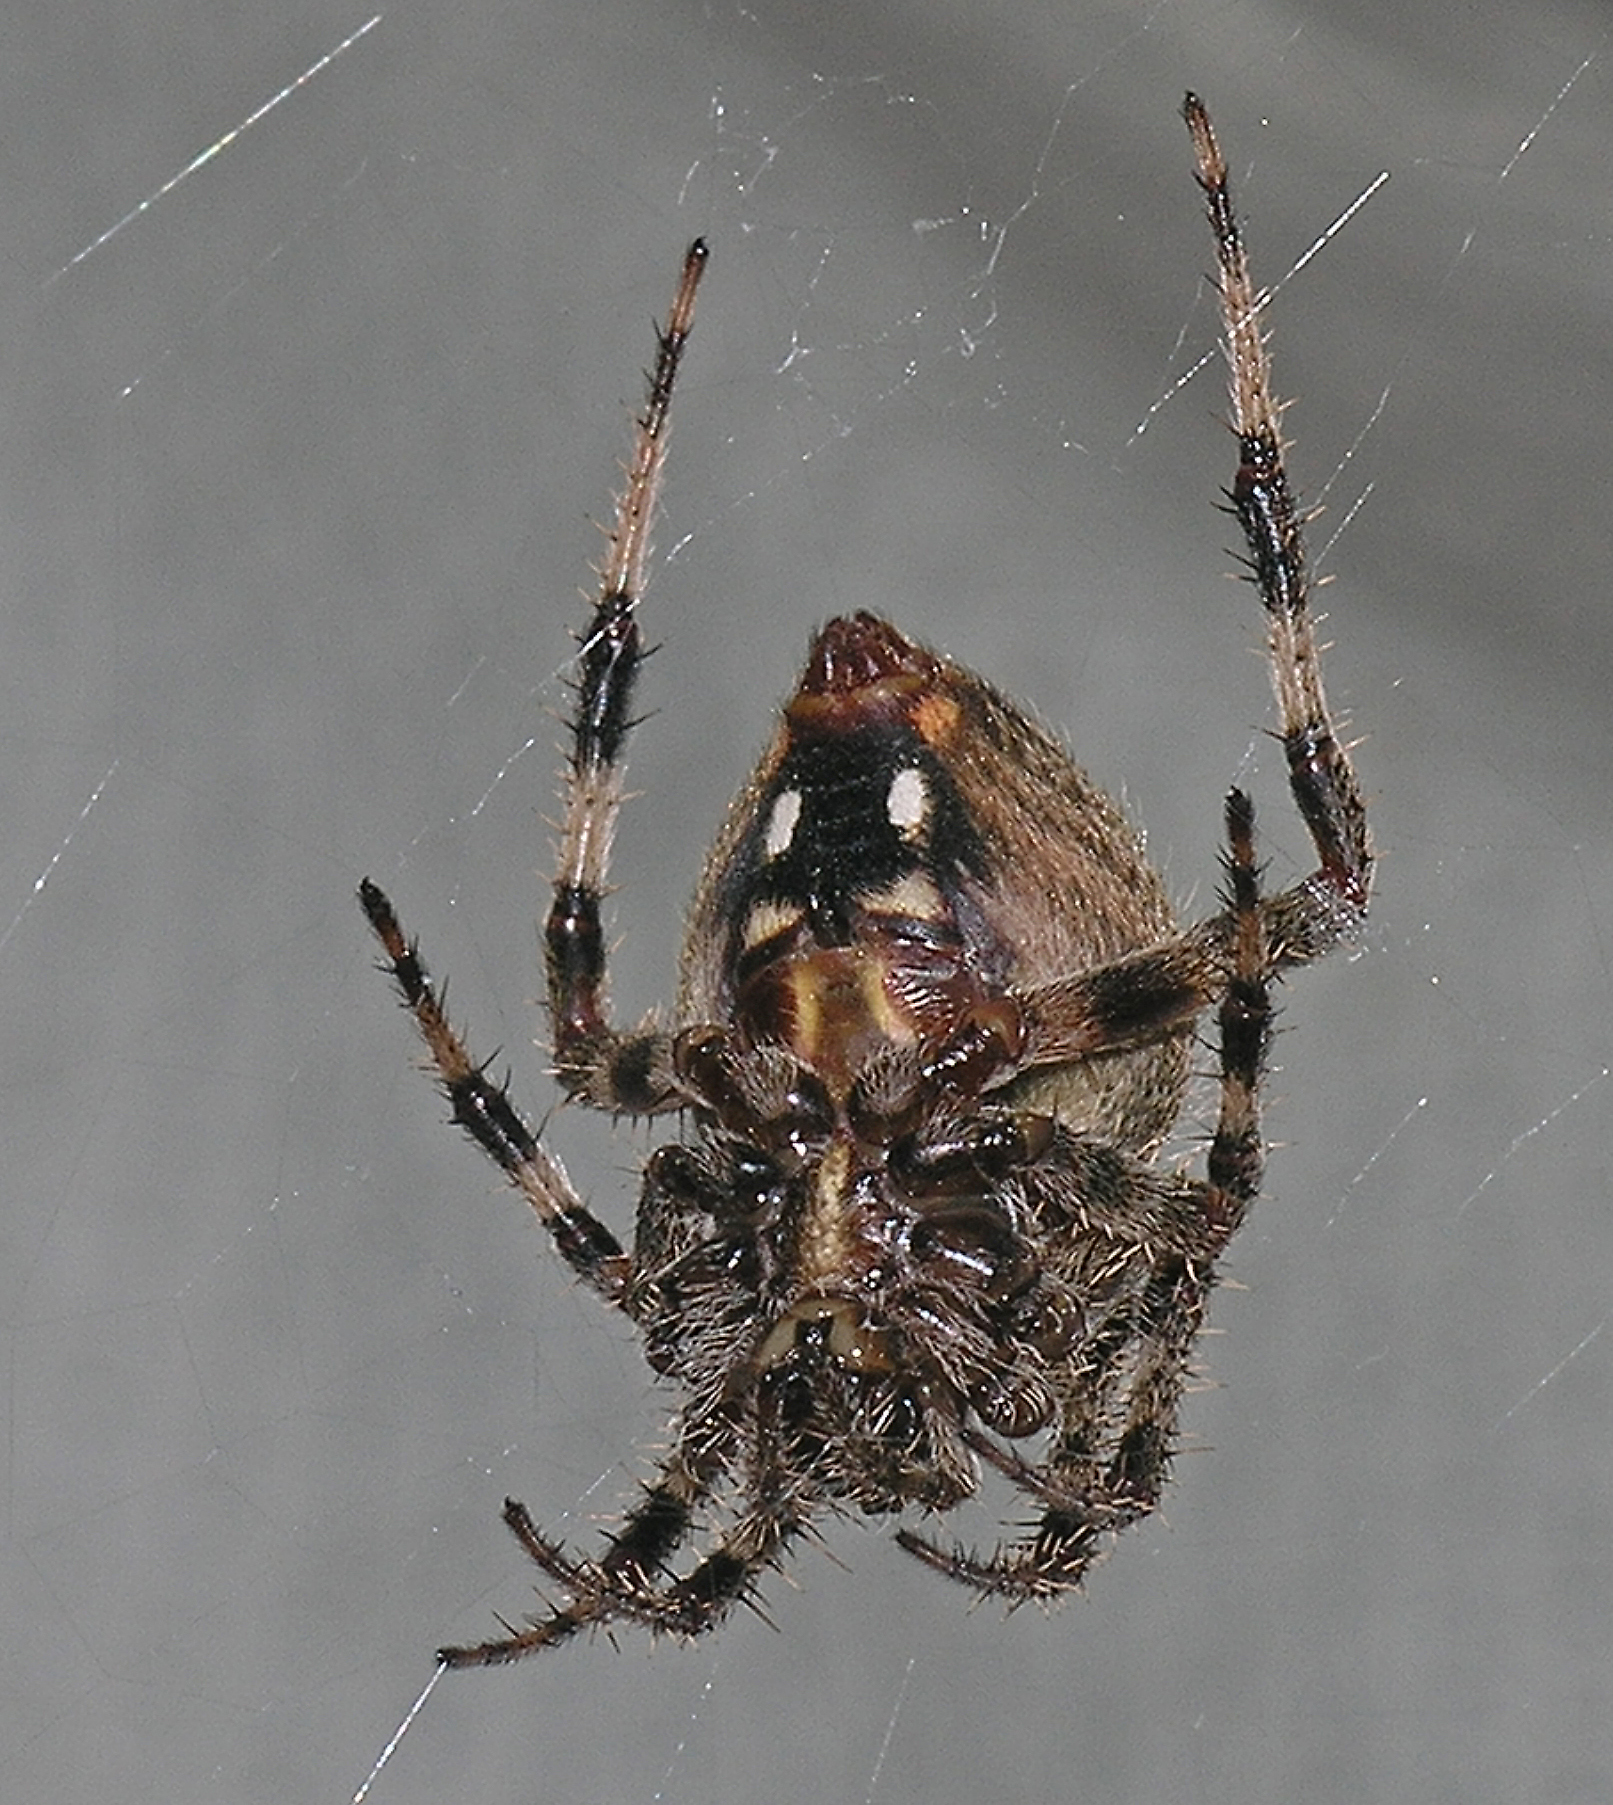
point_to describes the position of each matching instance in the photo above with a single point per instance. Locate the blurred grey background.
(297, 475)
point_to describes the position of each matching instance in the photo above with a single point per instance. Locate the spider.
(933, 1028)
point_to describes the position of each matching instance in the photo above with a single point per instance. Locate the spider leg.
(616, 1585)
(1144, 997)
(1090, 1495)
(626, 1071)
(627, 1583)
(1136, 999)
(483, 1109)
(1147, 995)
(1312, 915)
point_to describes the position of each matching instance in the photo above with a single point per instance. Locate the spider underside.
(933, 1027)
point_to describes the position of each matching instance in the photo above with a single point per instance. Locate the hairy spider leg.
(482, 1107)
(1144, 995)
(625, 1071)
(1087, 1506)
(631, 1581)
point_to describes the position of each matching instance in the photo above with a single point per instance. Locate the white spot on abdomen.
(907, 802)
(781, 823)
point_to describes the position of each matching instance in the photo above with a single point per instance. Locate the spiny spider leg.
(484, 1110)
(1319, 770)
(622, 1582)
(625, 1069)
(629, 1581)
(1090, 1508)
(1258, 938)
(1146, 995)
(628, 1072)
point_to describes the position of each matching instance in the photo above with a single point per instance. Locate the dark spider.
(932, 1030)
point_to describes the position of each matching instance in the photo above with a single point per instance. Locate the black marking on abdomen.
(858, 829)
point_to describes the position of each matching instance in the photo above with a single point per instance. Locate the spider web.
(298, 460)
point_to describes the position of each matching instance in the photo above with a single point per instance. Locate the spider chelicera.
(932, 1030)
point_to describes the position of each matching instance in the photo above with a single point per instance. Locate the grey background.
(296, 477)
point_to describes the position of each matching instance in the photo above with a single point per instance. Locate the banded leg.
(1158, 991)
(1314, 914)
(626, 1071)
(484, 1110)
(629, 1581)
(1086, 1506)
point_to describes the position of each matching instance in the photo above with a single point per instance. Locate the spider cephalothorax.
(932, 1030)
